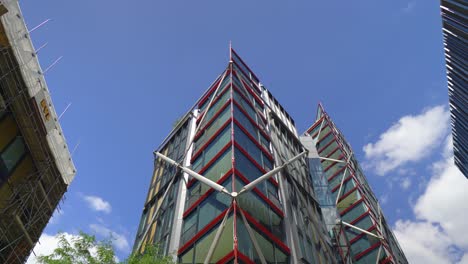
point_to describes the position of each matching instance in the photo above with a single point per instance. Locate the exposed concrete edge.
(30, 69)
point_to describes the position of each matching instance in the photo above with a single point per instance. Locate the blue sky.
(130, 68)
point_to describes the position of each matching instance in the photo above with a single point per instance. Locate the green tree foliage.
(85, 249)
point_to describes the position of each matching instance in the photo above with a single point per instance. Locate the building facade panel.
(455, 33)
(239, 134)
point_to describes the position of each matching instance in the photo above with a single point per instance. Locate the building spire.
(230, 51)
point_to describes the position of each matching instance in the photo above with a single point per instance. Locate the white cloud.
(438, 236)
(405, 183)
(98, 204)
(47, 244)
(118, 240)
(445, 202)
(411, 139)
(423, 242)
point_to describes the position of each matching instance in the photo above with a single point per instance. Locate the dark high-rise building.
(35, 164)
(234, 183)
(362, 231)
(455, 45)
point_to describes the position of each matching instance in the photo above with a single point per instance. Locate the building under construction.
(35, 163)
(235, 183)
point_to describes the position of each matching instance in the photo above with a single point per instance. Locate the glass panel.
(245, 122)
(246, 167)
(328, 149)
(216, 106)
(245, 105)
(213, 128)
(220, 92)
(13, 153)
(248, 145)
(225, 244)
(325, 141)
(212, 149)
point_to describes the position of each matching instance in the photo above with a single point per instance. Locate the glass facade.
(236, 133)
(454, 21)
(352, 197)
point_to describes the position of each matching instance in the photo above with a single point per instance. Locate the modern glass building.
(234, 183)
(361, 229)
(35, 163)
(455, 45)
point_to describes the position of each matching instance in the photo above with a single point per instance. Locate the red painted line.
(210, 91)
(323, 128)
(213, 119)
(241, 94)
(210, 140)
(386, 260)
(242, 61)
(356, 238)
(342, 197)
(351, 207)
(257, 191)
(255, 96)
(218, 97)
(252, 121)
(247, 155)
(244, 258)
(315, 124)
(336, 173)
(265, 231)
(359, 218)
(320, 141)
(266, 152)
(202, 232)
(338, 186)
(221, 152)
(365, 252)
(334, 163)
(226, 258)
(206, 194)
(332, 152)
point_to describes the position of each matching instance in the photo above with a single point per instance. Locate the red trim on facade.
(254, 162)
(213, 119)
(356, 238)
(332, 152)
(359, 218)
(338, 186)
(218, 97)
(221, 152)
(202, 232)
(265, 231)
(210, 91)
(238, 90)
(251, 120)
(260, 194)
(342, 197)
(317, 122)
(246, 154)
(206, 194)
(368, 250)
(316, 133)
(328, 144)
(336, 173)
(351, 206)
(334, 163)
(210, 140)
(243, 62)
(255, 96)
(226, 258)
(269, 156)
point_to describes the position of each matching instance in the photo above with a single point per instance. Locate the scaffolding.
(29, 201)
